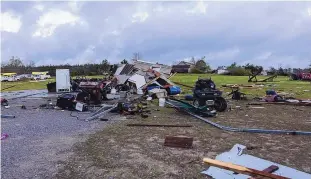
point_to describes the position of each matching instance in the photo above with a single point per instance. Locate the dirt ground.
(120, 151)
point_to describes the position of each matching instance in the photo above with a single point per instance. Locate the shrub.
(196, 71)
(238, 71)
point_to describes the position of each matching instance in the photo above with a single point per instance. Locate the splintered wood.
(178, 142)
(242, 169)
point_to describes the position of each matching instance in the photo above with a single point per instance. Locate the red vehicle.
(306, 76)
(301, 76)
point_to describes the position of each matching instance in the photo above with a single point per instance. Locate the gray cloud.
(265, 33)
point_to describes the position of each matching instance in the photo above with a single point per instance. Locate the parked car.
(40, 77)
(9, 78)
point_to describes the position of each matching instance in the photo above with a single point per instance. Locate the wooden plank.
(241, 169)
(178, 142)
(172, 75)
(289, 103)
(270, 169)
(159, 125)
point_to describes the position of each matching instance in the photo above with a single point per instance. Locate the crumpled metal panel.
(236, 156)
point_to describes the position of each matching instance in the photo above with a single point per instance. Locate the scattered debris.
(161, 102)
(104, 119)
(236, 94)
(4, 102)
(272, 96)
(144, 115)
(159, 125)
(66, 101)
(7, 116)
(4, 136)
(187, 109)
(256, 107)
(234, 160)
(178, 142)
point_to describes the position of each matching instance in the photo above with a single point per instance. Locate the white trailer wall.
(62, 80)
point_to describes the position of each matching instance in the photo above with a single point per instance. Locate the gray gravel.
(38, 138)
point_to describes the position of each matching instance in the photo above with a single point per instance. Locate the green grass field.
(281, 84)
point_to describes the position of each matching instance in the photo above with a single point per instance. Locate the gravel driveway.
(38, 138)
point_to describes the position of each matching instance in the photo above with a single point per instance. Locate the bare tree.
(193, 61)
(15, 62)
(31, 64)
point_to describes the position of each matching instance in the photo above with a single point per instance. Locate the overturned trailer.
(141, 76)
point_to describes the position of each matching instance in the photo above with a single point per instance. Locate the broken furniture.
(232, 163)
(178, 141)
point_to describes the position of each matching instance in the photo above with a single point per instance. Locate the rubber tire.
(220, 104)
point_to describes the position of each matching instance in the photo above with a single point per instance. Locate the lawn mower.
(206, 94)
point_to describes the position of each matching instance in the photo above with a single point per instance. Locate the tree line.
(200, 66)
(248, 69)
(16, 65)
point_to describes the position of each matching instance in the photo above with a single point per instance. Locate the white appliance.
(62, 80)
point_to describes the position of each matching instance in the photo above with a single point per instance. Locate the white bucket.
(113, 91)
(161, 102)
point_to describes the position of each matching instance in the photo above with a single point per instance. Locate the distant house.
(264, 73)
(183, 67)
(222, 71)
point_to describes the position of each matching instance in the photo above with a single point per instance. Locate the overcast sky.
(263, 33)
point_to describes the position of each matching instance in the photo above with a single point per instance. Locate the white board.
(62, 80)
(139, 80)
(79, 107)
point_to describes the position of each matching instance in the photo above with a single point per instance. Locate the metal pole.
(250, 130)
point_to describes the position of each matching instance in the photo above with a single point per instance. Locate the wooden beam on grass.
(178, 142)
(241, 169)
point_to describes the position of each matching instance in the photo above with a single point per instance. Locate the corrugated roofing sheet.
(128, 68)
